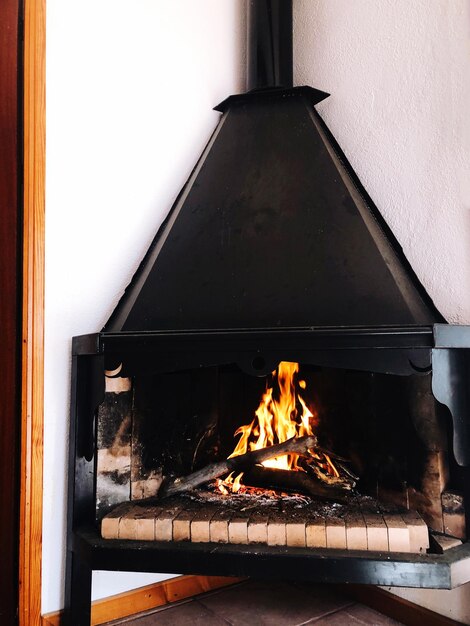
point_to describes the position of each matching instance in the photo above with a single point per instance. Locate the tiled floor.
(258, 603)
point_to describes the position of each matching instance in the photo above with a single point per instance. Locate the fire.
(230, 484)
(282, 414)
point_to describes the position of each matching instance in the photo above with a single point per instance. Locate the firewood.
(347, 470)
(288, 480)
(296, 445)
(331, 454)
(334, 481)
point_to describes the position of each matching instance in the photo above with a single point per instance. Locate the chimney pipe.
(269, 62)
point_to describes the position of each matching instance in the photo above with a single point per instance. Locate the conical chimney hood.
(273, 229)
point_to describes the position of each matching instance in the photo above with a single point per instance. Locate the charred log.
(298, 482)
(338, 482)
(296, 445)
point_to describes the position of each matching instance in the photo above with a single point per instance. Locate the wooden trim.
(397, 608)
(32, 408)
(147, 598)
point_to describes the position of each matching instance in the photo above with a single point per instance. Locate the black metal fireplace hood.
(273, 229)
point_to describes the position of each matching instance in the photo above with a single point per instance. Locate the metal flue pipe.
(269, 54)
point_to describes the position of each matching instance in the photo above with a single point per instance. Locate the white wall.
(130, 87)
(399, 75)
(130, 91)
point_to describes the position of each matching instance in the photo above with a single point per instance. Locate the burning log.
(347, 470)
(332, 481)
(240, 463)
(288, 480)
(332, 455)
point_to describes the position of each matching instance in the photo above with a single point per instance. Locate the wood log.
(333, 481)
(332, 455)
(287, 480)
(344, 468)
(296, 445)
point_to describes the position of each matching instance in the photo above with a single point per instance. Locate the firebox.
(275, 394)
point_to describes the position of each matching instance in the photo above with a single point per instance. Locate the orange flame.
(229, 483)
(282, 414)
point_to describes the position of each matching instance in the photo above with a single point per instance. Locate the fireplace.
(400, 431)
(380, 452)
(273, 271)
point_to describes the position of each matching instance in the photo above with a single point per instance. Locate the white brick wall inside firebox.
(130, 91)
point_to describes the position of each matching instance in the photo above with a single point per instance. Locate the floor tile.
(340, 618)
(260, 603)
(356, 615)
(187, 614)
(365, 615)
(325, 591)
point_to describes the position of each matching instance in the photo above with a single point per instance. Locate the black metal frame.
(401, 350)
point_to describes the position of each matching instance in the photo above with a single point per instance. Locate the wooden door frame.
(10, 293)
(32, 387)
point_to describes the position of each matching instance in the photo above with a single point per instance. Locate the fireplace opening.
(380, 471)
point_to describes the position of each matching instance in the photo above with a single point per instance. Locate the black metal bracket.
(451, 382)
(450, 386)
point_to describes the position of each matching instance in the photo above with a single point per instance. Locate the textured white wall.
(130, 87)
(130, 91)
(399, 77)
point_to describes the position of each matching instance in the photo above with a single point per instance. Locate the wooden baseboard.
(147, 598)
(397, 608)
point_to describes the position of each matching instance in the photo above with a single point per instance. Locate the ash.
(270, 501)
